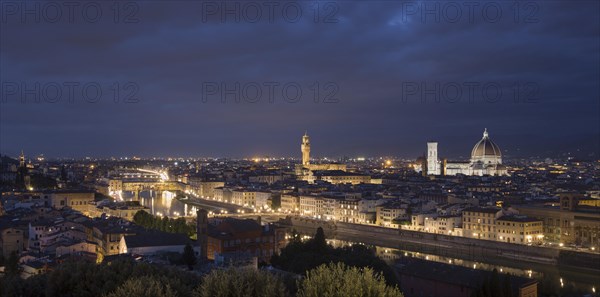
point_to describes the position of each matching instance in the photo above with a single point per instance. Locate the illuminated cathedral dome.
(486, 151)
(486, 159)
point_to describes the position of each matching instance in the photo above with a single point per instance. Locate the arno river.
(168, 205)
(548, 276)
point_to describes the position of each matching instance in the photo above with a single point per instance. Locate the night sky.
(378, 66)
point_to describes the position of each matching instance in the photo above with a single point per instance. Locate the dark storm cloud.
(375, 50)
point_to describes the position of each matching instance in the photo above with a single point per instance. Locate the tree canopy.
(240, 283)
(340, 280)
(493, 287)
(147, 286)
(189, 258)
(165, 224)
(82, 279)
(300, 257)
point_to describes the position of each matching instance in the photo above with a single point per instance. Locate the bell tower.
(433, 163)
(22, 160)
(305, 149)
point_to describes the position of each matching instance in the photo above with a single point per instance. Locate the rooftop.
(453, 274)
(483, 209)
(336, 173)
(155, 238)
(518, 219)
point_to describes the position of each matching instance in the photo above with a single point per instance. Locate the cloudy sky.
(242, 79)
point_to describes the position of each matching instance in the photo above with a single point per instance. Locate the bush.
(147, 286)
(165, 224)
(77, 278)
(240, 283)
(339, 280)
(300, 257)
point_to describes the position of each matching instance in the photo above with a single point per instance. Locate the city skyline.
(300, 148)
(316, 156)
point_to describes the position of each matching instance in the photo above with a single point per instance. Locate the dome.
(485, 148)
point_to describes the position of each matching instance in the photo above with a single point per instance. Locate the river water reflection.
(543, 275)
(162, 203)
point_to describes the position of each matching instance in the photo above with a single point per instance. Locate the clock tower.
(305, 150)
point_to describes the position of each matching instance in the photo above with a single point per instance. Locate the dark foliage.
(12, 264)
(165, 224)
(89, 279)
(494, 287)
(299, 257)
(189, 258)
(40, 181)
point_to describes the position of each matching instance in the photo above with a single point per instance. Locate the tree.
(147, 286)
(189, 258)
(337, 279)
(164, 224)
(495, 289)
(88, 279)
(63, 173)
(507, 288)
(319, 242)
(300, 257)
(493, 286)
(11, 285)
(240, 283)
(142, 218)
(12, 264)
(40, 181)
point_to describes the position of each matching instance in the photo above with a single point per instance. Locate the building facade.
(520, 229)
(567, 222)
(290, 203)
(233, 236)
(480, 222)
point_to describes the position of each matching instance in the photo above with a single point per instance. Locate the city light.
(441, 141)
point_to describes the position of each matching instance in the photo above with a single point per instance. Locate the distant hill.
(8, 160)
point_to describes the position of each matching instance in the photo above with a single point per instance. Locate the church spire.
(22, 159)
